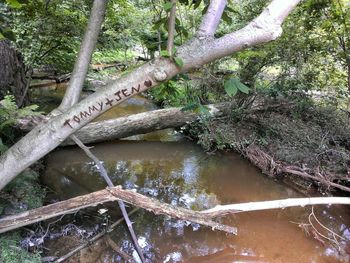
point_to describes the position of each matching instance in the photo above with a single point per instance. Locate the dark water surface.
(176, 171)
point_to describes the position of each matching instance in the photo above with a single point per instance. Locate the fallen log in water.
(131, 125)
(141, 123)
(110, 194)
(117, 193)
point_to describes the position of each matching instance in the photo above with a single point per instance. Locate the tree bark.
(204, 217)
(12, 73)
(197, 52)
(110, 194)
(141, 123)
(81, 66)
(348, 67)
(171, 28)
(212, 18)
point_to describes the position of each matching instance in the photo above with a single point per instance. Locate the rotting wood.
(117, 193)
(110, 194)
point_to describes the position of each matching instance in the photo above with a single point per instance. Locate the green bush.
(11, 252)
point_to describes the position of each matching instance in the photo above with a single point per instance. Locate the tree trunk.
(141, 123)
(12, 73)
(348, 66)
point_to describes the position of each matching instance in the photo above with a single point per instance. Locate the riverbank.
(311, 138)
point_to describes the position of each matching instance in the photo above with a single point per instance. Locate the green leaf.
(1, 36)
(230, 89)
(164, 53)
(243, 88)
(167, 6)
(159, 23)
(204, 109)
(179, 62)
(14, 4)
(205, 9)
(196, 3)
(233, 85)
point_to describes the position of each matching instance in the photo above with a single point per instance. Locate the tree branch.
(212, 18)
(110, 194)
(221, 210)
(171, 28)
(266, 27)
(117, 193)
(82, 63)
(104, 175)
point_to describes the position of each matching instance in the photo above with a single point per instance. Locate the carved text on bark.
(107, 102)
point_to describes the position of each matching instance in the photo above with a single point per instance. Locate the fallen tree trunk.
(57, 79)
(134, 124)
(141, 123)
(117, 193)
(110, 194)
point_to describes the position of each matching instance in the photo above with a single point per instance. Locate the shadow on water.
(180, 173)
(176, 171)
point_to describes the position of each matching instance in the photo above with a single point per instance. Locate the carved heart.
(148, 83)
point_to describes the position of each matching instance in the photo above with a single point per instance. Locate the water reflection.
(181, 174)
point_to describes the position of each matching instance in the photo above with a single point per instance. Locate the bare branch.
(110, 194)
(221, 210)
(212, 18)
(104, 175)
(171, 27)
(266, 27)
(82, 63)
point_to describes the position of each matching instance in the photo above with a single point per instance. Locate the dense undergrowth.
(21, 194)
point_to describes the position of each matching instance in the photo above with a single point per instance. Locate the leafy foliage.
(11, 252)
(233, 85)
(9, 114)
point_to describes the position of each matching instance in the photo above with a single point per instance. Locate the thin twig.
(103, 173)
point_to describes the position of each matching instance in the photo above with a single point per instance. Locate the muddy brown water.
(166, 166)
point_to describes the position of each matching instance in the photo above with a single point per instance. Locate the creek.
(175, 170)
